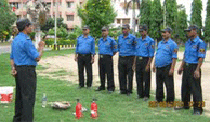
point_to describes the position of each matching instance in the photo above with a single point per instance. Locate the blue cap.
(85, 27)
(126, 26)
(168, 29)
(143, 28)
(192, 27)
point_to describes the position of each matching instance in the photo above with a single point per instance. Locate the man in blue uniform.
(107, 48)
(85, 51)
(126, 48)
(145, 48)
(165, 61)
(195, 52)
(24, 57)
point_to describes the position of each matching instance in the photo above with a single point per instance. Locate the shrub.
(72, 36)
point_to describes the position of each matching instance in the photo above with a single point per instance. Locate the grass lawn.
(111, 107)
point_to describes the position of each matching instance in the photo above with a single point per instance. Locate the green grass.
(111, 107)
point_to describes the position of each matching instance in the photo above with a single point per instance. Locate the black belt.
(84, 54)
(126, 56)
(190, 64)
(25, 66)
(102, 56)
(141, 58)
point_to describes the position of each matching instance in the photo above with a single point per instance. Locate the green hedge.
(60, 42)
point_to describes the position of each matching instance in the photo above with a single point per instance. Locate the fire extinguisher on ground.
(78, 110)
(94, 109)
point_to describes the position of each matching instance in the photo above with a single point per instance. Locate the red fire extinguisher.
(94, 109)
(78, 110)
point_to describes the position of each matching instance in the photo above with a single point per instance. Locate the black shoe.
(197, 113)
(100, 89)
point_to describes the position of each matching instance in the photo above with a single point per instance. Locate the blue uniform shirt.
(126, 46)
(194, 50)
(146, 47)
(85, 45)
(165, 53)
(23, 51)
(107, 47)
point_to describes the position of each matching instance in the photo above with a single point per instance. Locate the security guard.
(195, 52)
(165, 61)
(145, 48)
(24, 57)
(126, 48)
(107, 49)
(85, 51)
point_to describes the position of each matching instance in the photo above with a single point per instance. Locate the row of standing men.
(136, 54)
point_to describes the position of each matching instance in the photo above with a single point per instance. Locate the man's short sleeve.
(202, 50)
(151, 48)
(174, 50)
(31, 50)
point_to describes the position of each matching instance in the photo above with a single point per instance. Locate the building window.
(118, 21)
(70, 17)
(16, 5)
(137, 21)
(126, 21)
(70, 4)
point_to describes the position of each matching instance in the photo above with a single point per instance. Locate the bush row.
(60, 41)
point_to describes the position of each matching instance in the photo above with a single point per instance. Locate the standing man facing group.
(126, 48)
(107, 48)
(145, 48)
(165, 61)
(85, 51)
(24, 57)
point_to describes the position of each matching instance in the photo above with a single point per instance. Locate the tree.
(145, 12)
(60, 32)
(96, 14)
(181, 23)
(196, 14)
(156, 20)
(50, 23)
(7, 17)
(207, 26)
(171, 14)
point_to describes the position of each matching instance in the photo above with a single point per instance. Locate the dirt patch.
(55, 67)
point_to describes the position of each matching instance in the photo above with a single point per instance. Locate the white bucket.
(6, 93)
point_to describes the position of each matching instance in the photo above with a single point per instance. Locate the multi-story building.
(67, 9)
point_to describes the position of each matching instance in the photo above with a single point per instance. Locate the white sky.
(187, 4)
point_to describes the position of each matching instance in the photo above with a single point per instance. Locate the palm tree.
(136, 4)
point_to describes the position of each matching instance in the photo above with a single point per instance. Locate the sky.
(187, 4)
